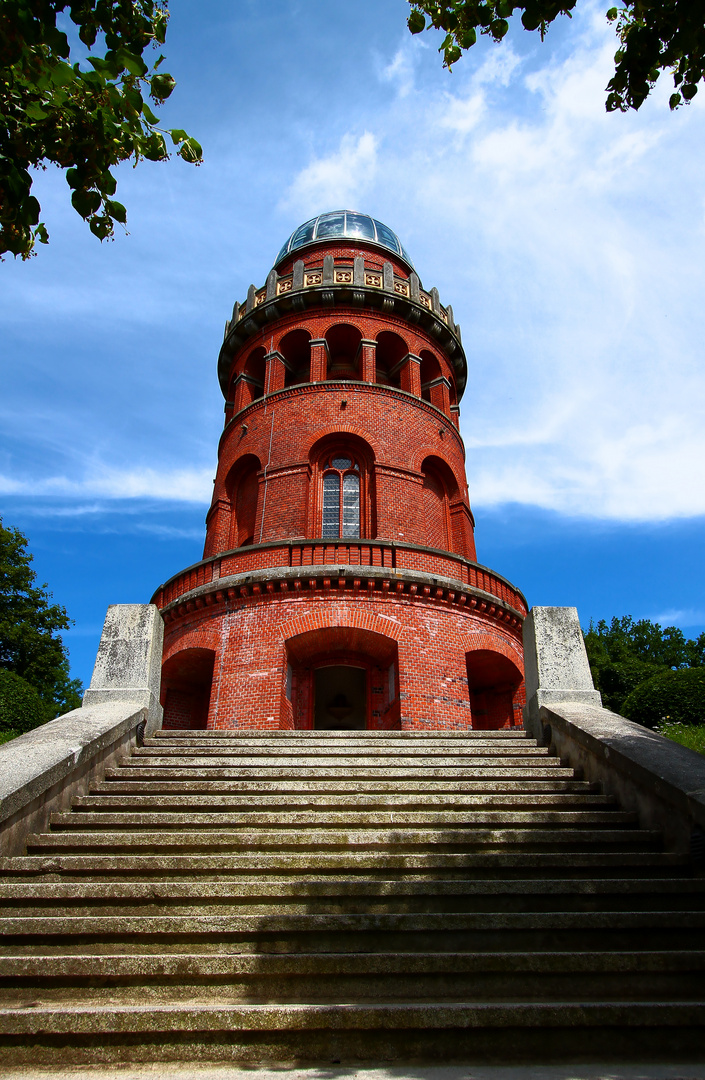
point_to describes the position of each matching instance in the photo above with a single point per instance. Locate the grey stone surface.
(435, 301)
(648, 772)
(128, 664)
(328, 269)
(33, 763)
(555, 662)
(388, 277)
(272, 278)
(297, 281)
(359, 271)
(250, 303)
(382, 1072)
(414, 287)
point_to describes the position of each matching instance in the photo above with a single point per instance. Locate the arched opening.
(439, 486)
(493, 682)
(342, 503)
(242, 486)
(295, 347)
(391, 350)
(254, 370)
(430, 371)
(344, 352)
(343, 678)
(186, 688)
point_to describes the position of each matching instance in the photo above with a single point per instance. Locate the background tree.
(624, 654)
(654, 36)
(85, 119)
(30, 643)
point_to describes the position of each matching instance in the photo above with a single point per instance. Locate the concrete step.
(372, 865)
(550, 769)
(124, 781)
(160, 802)
(316, 840)
(501, 735)
(258, 755)
(175, 756)
(154, 901)
(287, 819)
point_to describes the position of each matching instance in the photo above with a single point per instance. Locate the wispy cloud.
(340, 180)
(184, 485)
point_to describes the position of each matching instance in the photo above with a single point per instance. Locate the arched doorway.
(342, 678)
(493, 681)
(186, 688)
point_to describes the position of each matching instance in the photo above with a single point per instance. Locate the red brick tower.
(339, 587)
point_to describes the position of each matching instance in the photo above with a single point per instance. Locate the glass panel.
(386, 236)
(282, 253)
(351, 505)
(341, 463)
(359, 225)
(331, 505)
(405, 253)
(330, 225)
(304, 234)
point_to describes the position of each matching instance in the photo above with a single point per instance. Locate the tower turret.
(339, 585)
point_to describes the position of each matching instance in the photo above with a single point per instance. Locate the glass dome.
(343, 223)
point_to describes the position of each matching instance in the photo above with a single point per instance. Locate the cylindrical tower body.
(339, 586)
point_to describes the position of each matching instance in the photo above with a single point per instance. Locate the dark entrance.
(340, 698)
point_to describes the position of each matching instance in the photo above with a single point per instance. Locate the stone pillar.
(455, 415)
(556, 667)
(368, 366)
(128, 666)
(410, 374)
(245, 392)
(319, 359)
(275, 372)
(439, 394)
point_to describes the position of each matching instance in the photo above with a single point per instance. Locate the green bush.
(21, 707)
(690, 735)
(677, 697)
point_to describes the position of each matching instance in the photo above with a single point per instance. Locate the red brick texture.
(437, 636)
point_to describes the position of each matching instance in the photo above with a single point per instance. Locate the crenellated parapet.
(344, 282)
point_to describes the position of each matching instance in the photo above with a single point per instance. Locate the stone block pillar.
(245, 393)
(410, 374)
(439, 394)
(368, 365)
(128, 667)
(319, 359)
(555, 661)
(275, 372)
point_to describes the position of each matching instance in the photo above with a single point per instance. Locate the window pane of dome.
(351, 505)
(386, 236)
(331, 505)
(303, 234)
(341, 463)
(359, 225)
(282, 253)
(330, 225)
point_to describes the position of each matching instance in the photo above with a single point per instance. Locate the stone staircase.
(340, 896)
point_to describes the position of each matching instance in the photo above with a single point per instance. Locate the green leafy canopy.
(654, 36)
(30, 625)
(83, 119)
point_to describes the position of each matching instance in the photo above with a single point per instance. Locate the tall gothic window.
(341, 497)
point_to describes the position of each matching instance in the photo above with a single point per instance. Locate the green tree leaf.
(85, 117)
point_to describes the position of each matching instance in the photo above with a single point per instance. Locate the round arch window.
(341, 496)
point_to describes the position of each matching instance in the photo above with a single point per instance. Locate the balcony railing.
(375, 554)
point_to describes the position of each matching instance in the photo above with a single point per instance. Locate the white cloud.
(337, 181)
(679, 617)
(179, 485)
(569, 242)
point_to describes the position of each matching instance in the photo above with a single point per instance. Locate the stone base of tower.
(340, 648)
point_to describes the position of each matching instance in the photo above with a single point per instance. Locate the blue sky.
(569, 243)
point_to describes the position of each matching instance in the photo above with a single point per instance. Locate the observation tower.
(339, 587)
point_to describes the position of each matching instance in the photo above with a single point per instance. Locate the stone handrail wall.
(660, 780)
(41, 771)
